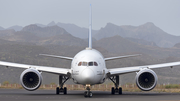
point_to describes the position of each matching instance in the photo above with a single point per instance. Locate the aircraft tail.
(90, 28)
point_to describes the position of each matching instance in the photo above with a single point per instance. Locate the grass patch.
(172, 86)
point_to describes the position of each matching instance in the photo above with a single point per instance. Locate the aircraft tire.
(85, 94)
(65, 90)
(112, 91)
(90, 94)
(120, 91)
(57, 90)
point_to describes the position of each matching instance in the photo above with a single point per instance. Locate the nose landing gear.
(88, 93)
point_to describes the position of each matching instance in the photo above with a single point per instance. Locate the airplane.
(88, 67)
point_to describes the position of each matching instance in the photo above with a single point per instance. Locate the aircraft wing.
(125, 70)
(54, 70)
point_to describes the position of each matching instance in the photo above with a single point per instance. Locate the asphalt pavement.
(49, 95)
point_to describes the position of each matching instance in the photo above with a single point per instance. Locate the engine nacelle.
(31, 79)
(146, 79)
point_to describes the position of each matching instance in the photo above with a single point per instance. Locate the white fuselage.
(88, 67)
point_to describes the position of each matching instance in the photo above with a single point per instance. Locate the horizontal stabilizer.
(55, 56)
(120, 57)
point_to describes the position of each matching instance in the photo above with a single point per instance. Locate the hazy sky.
(163, 13)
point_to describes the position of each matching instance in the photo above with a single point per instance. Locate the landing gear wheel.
(120, 91)
(57, 90)
(62, 80)
(88, 94)
(65, 90)
(115, 80)
(85, 94)
(112, 90)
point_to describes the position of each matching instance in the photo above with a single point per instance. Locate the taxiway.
(49, 95)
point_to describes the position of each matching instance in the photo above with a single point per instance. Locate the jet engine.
(31, 79)
(146, 79)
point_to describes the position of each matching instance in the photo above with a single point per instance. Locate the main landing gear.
(62, 80)
(88, 93)
(115, 80)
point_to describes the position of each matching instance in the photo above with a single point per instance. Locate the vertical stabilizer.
(90, 28)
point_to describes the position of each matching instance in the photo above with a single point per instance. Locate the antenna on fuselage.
(90, 28)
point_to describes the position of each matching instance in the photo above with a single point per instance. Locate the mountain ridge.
(147, 31)
(1, 28)
(16, 28)
(45, 31)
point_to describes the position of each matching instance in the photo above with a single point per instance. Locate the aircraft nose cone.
(87, 76)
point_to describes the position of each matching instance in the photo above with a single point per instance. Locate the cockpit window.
(95, 64)
(87, 64)
(90, 64)
(80, 63)
(84, 64)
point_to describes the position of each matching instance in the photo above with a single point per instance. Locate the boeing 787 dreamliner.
(88, 67)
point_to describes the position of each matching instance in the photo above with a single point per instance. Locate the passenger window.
(80, 63)
(84, 63)
(95, 64)
(90, 64)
